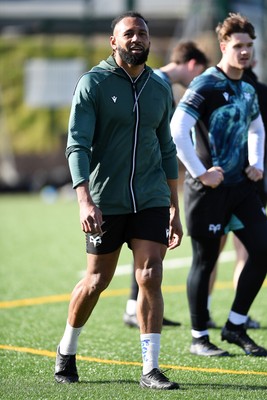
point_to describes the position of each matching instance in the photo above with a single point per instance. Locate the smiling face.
(237, 54)
(130, 43)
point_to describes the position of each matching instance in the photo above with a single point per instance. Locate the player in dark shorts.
(219, 135)
(186, 62)
(124, 169)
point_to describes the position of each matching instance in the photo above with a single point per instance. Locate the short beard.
(133, 59)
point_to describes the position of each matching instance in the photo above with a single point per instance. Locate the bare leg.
(100, 270)
(241, 259)
(148, 257)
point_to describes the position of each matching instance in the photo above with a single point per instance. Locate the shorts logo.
(214, 228)
(167, 233)
(96, 239)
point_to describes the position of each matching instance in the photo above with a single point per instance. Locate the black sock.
(232, 327)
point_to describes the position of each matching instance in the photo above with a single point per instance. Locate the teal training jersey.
(224, 109)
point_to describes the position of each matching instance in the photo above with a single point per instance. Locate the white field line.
(172, 263)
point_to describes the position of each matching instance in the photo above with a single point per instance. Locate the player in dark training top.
(219, 135)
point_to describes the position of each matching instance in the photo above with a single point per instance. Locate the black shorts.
(208, 211)
(149, 224)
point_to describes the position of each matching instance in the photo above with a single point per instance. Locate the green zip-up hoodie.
(119, 139)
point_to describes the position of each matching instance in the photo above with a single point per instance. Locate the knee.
(95, 283)
(149, 277)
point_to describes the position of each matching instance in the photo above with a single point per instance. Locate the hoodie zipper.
(136, 110)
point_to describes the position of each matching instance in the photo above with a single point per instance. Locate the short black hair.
(131, 14)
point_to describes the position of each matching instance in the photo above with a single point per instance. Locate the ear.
(112, 41)
(191, 64)
(223, 47)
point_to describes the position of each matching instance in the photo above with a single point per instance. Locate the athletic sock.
(209, 302)
(131, 307)
(150, 344)
(198, 334)
(69, 342)
(235, 319)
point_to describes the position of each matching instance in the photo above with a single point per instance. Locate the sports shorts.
(208, 211)
(149, 224)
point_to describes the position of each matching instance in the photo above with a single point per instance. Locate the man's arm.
(176, 229)
(256, 139)
(90, 214)
(256, 146)
(181, 125)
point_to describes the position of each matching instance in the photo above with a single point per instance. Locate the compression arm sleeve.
(181, 125)
(256, 138)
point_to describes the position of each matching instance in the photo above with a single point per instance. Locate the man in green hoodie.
(124, 168)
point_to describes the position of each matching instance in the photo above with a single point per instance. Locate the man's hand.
(212, 177)
(90, 215)
(90, 218)
(176, 229)
(253, 173)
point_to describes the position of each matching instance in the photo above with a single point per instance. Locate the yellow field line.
(52, 354)
(35, 301)
(107, 293)
(54, 299)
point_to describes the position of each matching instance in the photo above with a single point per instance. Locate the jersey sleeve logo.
(192, 98)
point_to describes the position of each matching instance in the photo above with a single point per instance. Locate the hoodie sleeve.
(81, 131)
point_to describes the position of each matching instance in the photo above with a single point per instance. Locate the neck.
(133, 70)
(174, 72)
(231, 72)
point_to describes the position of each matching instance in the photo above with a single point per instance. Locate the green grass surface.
(42, 256)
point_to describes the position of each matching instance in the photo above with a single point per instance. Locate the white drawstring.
(134, 81)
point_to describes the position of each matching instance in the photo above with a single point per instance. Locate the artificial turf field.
(42, 257)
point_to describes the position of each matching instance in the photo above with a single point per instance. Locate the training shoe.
(241, 339)
(211, 324)
(203, 347)
(65, 371)
(131, 320)
(156, 379)
(168, 322)
(252, 324)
